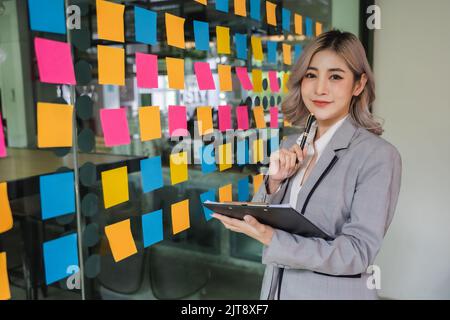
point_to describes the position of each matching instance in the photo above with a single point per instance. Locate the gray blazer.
(351, 194)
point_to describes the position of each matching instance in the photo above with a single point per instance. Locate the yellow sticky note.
(203, 2)
(178, 167)
(121, 240)
(287, 54)
(298, 23)
(257, 48)
(258, 151)
(5, 293)
(180, 216)
(149, 123)
(285, 82)
(225, 157)
(224, 72)
(115, 186)
(240, 8)
(111, 65)
(175, 31)
(226, 193)
(54, 125)
(257, 80)
(223, 40)
(110, 21)
(6, 219)
(257, 182)
(318, 28)
(258, 113)
(271, 13)
(175, 73)
(204, 120)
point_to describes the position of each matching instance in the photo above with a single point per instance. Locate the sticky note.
(243, 77)
(54, 125)
(121, 240)
(255, 9)
(54, 60)
(242, 117)
(210, 195)
(297, 51)
(257, 48)
(271, 13)
(272, 52)
(208, 158)
(274, 117)
(60, 258)
(243, 190)
(204, 120)
(5, 292)
(287, 55)
(224, 118)
(57, 193)
(175, 73)
(222, 5)
(6, 219)
(226, 193)
(257, 80)
(258, 113)
(286, 123)
(223, 40)
(225, 81)
(274, 141)
(308, 27)
(177, 121)
(145, 26)
(115, 186)
(298, 24)
(151, 174)
(240, 40)
(203, 2)
(258, 151)
(240, 8)
(225, 157)
(152, 228)
(178, 167)
(110, 24)
(257, 182)
(318, 29)
(204, 76)
(146, 70)
(47, 15)
(115, 127)
(242, 152)
(111, 65)
(286, 19)
(3, 152)
(180, 216)
(273, 81)
(175, 31)
(201, 35)
(285, 82)
(149, 123)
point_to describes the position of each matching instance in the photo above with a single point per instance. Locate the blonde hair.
(347, 46)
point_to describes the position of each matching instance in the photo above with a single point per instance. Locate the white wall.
(412, 69)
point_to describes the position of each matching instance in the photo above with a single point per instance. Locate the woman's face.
(328, 86)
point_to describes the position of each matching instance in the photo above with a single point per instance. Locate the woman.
(346, 181)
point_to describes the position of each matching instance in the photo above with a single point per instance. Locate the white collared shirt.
(319, 145)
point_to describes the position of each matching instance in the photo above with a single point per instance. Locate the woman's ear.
(359, 86)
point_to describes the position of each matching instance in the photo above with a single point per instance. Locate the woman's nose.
(321, 86)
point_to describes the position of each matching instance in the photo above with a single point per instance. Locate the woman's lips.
(321, 103)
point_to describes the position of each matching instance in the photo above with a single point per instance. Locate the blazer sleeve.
(374, 201)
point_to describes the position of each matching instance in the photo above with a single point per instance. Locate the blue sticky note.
(152, 227)
(47, 15)
(145, 26)
(274, 141)
(201, 34)
(57, 194)
(151, 173)
(211, 196)
(272, 51)
(60, 258)
(298, 51)
(207, 158)
(222, 5)
(286, 19)
(243, 190)
(255, 9)
(241, 46)
(309, 27)
(243, 156)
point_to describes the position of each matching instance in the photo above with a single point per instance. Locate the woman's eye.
(309, 75)
(336, 77)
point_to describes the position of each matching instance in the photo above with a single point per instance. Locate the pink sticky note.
(273, 80)
(146, 70)
(177, 121)
(54, 61)
(204, 76)
(2, 140)
(242, 117)
(274, 117)
(115, 127)
(243, 77)
(224, 118)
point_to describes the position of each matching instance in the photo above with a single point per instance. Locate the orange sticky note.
(5, 293)
(180, 216)
(203, 2)
(110, 21)
(258, 151)
(224, 72)
(6, 219)
(54, 125)
(223, 40)
(175, 31)
(257, 182)
(175, 73)
(225, 157)
(121, 240)
(318, 28)
(111, 65)
(204, 120)
(285, 82)
(115, 186)
(240, 8)
(298, 23)
(271, 13)
(257, 80)
(149, 123)
(287, 54)
(226, 193)
(258, 113)
(257, 48)
(178, 167)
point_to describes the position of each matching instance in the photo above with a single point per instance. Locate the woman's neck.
(324, 125)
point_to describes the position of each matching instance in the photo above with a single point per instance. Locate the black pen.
(305, 134)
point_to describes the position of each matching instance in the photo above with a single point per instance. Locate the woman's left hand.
(249, 226)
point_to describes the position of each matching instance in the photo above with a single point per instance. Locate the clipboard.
(279, 216)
